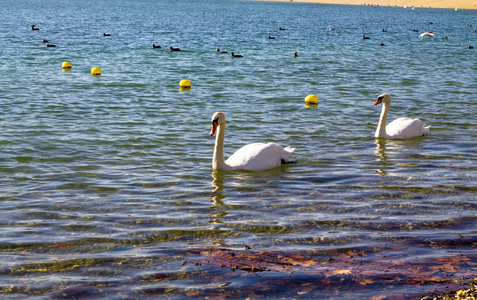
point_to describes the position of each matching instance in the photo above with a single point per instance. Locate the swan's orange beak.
(214, 128)
(377, 102)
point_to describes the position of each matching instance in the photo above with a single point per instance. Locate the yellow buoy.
(185, 83)
(95, 71)
(311, 99)
(66, 65)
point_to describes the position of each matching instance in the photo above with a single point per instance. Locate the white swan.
(402, 128)
(426, 34)
(252, 157)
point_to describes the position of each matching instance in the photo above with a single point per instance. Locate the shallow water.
(107, 187)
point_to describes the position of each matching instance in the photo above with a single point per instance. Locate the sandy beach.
(459, 4)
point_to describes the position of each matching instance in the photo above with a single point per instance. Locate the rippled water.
(107, 187)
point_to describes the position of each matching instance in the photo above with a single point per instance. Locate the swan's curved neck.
(218, 161)
(381, 130)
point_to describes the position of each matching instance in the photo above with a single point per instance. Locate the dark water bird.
(280, 28)
(45, 41)
(331, 28)
(106, 34)
(382, 44)
(295, 54)
(366, 37)
(154, 46)
(384, 30)
(34, 28)
(235, 55)
(174, 49)
(50, 45)
(471, 47)
(271, 38)
(415, 30)
(219, 51)
(445, 38)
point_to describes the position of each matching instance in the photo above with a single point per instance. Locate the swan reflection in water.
(381, 149)
(381, 154)
(218, 208)
(218, 181)
(392, 155)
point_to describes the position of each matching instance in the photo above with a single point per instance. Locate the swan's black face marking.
(379, 100)
(215, 124)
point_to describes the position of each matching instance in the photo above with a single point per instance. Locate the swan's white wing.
(406, 128)
(259, 157)
(427, 34)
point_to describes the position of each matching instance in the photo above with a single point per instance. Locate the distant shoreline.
(459, 4)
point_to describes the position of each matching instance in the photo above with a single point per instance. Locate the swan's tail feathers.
(287, 153)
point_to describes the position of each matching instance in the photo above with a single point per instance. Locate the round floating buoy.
(311, 99)
(185, 83)
(95, 71)
(66, 65)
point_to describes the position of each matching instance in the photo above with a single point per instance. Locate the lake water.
(107, 187)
